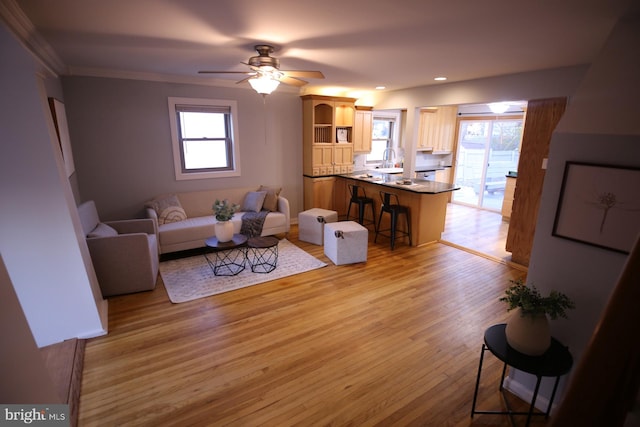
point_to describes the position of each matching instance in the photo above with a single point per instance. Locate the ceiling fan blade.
(227, 72)
(244, 80)
(305, 74)
(292, 81)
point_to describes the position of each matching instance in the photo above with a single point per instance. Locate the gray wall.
(122, 148)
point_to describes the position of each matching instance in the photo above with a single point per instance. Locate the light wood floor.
(480, 231)
(391, 342)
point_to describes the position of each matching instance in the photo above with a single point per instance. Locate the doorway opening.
(488, 149)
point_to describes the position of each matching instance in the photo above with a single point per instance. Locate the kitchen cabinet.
(319, 192)
(437, 129)
(362, 130)
(443, 175)
(328, 131)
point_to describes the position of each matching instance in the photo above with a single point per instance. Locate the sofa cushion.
(168, 209)
(253, 201)
(191, 229)
(102, 230)
(271, 199)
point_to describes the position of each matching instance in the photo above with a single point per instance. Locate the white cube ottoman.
(345, 242)
(311, 224)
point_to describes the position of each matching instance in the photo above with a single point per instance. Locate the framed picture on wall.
(341, 135)
(62, 130)
(599, 205)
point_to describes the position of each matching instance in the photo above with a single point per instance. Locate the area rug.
(191, 278)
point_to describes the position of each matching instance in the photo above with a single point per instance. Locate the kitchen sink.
(387, 170)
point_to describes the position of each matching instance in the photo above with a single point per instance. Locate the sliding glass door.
(487, 150)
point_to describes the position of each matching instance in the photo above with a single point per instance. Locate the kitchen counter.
(416, 185)
(427, 200)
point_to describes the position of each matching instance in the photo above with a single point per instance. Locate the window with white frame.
(205, 138)
(383, 138)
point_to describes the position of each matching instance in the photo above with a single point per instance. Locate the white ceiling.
(357, 44)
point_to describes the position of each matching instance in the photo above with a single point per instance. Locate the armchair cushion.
(102, 230)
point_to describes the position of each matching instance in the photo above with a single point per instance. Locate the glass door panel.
(503, 156)
(487, 151)
(473, 136)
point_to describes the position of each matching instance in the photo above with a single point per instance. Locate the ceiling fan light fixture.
(498, 107)
(264, 85)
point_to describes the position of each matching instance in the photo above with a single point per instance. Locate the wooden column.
(542, 117)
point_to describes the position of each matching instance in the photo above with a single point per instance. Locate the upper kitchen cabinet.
(437, 129)
(362, 130)
(328, 132)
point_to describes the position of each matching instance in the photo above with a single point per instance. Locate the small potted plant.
(223, 211)
(528, 328)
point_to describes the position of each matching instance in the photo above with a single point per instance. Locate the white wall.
(48, 264)
(603, 100)
(600, 126)
(523, 86)
(23, 372)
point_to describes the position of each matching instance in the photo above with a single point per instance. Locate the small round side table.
(229, 257)
(555, 362)
(262, 254)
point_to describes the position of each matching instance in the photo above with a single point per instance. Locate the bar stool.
(394, 209)
(361, 200)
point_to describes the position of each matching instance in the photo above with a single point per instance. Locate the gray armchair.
(124, 253)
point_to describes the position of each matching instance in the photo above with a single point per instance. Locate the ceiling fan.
(265, 73)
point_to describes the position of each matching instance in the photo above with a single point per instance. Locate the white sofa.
(182, 234)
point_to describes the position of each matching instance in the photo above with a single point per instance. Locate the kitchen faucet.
(387, 157)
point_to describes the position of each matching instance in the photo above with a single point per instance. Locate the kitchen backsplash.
(422, 159)
(428, 159)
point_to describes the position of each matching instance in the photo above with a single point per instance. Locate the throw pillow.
(102, 230)
(271, 199)
(253, 201)
(168, 209)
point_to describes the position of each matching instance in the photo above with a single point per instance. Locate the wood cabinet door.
(322, 159)
(362, 132)
(427, 129)
(447, 120)
(318, 193)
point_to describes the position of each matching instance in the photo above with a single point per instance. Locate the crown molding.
(24, 30)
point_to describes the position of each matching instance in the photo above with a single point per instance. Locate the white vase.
(224, 231)
(530, 335)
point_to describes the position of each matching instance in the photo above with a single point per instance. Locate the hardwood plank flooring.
(479, 231)
(394, 341)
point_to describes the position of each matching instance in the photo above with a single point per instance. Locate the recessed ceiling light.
(381, 87)
(440, 79)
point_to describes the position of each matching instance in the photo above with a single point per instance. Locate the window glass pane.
(377, 150)
(203, 154)
(381, 129)
(202, 125)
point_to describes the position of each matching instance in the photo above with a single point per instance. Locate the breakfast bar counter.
(427, 200)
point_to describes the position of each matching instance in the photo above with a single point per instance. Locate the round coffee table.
(262, 254)
(229, 257)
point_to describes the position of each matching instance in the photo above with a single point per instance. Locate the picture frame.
(59, 116)
(342, 135)
(599, 205)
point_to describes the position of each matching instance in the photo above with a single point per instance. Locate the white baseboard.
(526, 394)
